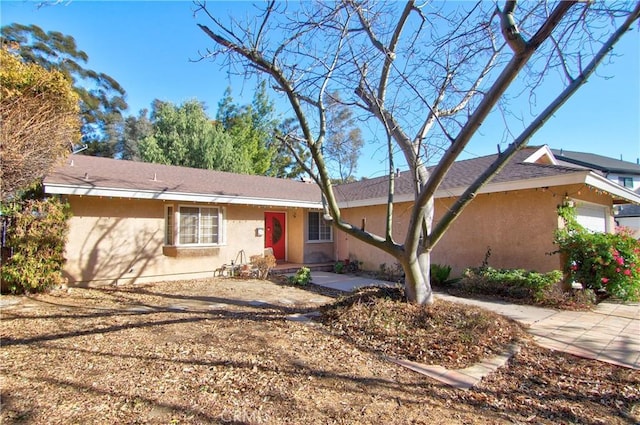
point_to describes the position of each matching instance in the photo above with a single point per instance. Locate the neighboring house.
(135, 221)
(628, 215)
(140, 222)
(626, 174)
(513, 218)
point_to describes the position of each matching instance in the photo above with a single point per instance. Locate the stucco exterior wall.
(514, 229)
(121, 240)
(374, 220)
(295, 238)
(114, 240)
(518, 227)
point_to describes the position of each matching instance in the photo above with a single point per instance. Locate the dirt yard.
(225, 351)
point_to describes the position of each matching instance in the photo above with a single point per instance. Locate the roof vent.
(155, 177)
(71, 163)
(86, 176)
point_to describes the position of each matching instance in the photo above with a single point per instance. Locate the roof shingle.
(596, 162)
(93, 172)
(461, 174)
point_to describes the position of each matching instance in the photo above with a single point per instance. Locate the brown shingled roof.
(104, 173)
(461, 175)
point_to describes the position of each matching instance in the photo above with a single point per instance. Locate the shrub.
(439, 274)
(338, 267)
(391, 274)
(263, 263)
(302, 277)
(36, 232)
(510, 283)
(352, 266)
(600, 261)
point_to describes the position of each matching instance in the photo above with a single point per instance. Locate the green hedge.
(36, 231)
(510, 283)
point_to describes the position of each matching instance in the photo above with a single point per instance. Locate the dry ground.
(222, 351)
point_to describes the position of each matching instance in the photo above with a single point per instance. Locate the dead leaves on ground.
(129, 355)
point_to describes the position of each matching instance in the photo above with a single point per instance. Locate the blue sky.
(150, 48)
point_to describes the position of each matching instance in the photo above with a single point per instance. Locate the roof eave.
(542, 151)
(580, 177)
(599, 167)
(69, 189)
(621, 194)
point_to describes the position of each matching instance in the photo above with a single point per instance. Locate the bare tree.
(429, 74)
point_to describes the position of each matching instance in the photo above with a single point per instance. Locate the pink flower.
(605, 280)
(617, 269)
(627, 272)
(620, 260)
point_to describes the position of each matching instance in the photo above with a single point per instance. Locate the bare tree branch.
(433, 72)
(521, 141)
(490, 99)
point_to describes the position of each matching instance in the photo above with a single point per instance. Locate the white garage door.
(593, 217)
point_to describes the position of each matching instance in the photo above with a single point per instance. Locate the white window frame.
(177, 225)
(169, 225)
(622, 181)
(321, 222)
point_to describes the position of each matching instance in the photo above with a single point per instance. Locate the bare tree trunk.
(425, 296)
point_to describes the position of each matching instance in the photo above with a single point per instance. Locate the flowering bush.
(600, 261)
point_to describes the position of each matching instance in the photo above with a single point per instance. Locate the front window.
(626, 182)
(195, 226)
(319, 229)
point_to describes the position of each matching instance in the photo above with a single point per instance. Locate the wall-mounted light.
(259, 231)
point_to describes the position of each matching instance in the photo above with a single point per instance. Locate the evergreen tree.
(252, 128)
(184, 135)
(283, 162)
(343, 142)
(135, 129)
(102, 99)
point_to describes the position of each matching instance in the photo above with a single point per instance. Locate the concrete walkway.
(609, 333)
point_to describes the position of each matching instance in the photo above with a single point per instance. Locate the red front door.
(274, 235)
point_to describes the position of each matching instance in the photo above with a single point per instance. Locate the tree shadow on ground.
(258, 341)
